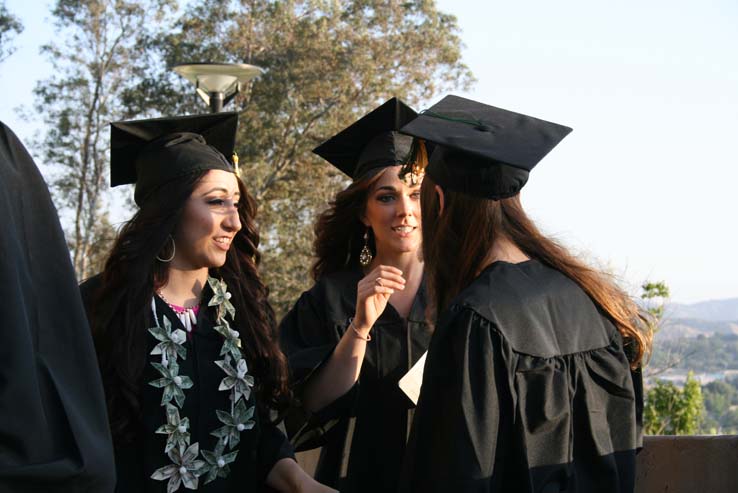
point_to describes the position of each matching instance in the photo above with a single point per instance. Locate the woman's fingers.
(378, 285)
(383, 282)
(378, 290)
(373, 293)
(386, 277)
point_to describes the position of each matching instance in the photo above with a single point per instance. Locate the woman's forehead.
(218, 179)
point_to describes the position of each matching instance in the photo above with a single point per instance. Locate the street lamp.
(217, 83)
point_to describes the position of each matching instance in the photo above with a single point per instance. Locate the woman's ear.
(441, 202)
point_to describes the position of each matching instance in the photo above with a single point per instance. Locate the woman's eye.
(216, 201)
(415, 195)
(385, 198)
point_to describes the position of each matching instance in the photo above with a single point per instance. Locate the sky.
(645, 185)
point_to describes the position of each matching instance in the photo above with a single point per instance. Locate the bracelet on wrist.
(358, 334)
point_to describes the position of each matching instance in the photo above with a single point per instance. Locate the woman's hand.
(288, 477)
(373, 293)
(336, 377)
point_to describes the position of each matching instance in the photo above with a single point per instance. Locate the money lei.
(189, 463)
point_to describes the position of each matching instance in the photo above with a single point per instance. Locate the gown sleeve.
(273, 446)
(308, 338)
(463, 389)
(53, 421)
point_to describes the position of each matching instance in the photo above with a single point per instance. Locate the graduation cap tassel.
(416, 161)
(234, 158)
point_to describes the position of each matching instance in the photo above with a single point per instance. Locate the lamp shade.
(221, 80)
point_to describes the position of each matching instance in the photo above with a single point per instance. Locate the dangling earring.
(174, 249)
(365, 257)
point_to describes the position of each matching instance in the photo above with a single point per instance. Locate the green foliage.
(703, 354)
(655, 294)
(10, 26)
(327, 63)
(721, 407)
(670, 410)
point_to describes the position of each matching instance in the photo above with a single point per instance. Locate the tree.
(655, 294)
(92, 58)
(327, 63)
(10, 26)
(721, 407)
(668, 409)
(673, 411)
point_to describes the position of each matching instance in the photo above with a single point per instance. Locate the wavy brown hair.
(339, 232)
(119, 308)
(469, 226)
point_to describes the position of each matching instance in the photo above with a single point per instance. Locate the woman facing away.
(528, 383)
(357, 331)
(185, 337)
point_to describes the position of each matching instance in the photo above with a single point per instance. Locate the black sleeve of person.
(308, 340)
(273, 446)
(53, 421)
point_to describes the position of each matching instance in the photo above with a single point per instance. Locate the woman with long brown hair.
(185, 336)
(358, 330)
(528, 384)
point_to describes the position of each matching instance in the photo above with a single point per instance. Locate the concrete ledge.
(688, 464)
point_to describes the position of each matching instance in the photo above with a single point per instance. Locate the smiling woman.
(184, 333)
(209, 222)
(360, 328)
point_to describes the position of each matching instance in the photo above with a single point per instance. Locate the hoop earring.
(174, 250)
(365, 257)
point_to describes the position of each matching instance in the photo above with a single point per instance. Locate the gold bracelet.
(366, 338)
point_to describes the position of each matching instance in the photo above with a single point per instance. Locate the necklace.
(189, 463)
(186, 315)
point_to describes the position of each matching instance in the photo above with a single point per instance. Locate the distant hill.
(677, 328)
(713, 310)
(705, 318)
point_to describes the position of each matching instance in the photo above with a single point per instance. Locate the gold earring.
(365, 257)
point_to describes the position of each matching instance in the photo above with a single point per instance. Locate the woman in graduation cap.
(528, 382)
(360, 328)
(185, 337)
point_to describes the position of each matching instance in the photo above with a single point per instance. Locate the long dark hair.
(339, 232)
(453, 256)
(120, 311)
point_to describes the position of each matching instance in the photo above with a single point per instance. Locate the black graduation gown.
(53, 424)
(259, 448)
(527, 389)
(363, 433)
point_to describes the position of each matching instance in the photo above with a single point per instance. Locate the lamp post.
(217, 83)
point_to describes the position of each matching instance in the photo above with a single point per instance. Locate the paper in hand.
(412, 381)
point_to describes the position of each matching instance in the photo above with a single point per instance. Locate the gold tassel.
(234, 158)
(413, 170)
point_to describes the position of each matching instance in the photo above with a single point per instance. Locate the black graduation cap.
(371, 142)
(151, 153)
(481, 150)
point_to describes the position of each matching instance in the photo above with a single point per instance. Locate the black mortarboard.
(153, 152)
(371, 142)
(481, 150)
